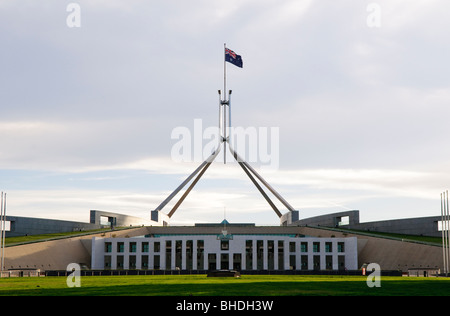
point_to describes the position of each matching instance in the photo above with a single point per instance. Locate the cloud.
(362, 112)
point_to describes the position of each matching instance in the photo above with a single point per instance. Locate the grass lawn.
(247, 285)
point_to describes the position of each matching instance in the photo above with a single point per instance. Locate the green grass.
(44, 237)
(247, 285)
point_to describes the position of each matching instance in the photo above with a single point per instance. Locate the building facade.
(225, 252)
(26, 226)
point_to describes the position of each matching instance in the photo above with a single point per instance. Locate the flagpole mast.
(224, 102)
(1, 234)
(2, 246)
(224, 73)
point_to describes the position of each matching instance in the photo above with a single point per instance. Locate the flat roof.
(214, 230)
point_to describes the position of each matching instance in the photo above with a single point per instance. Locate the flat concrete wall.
(25, 226)
(389, 254)
(426, 226)
(330, 220)
(57, 254)
(120, 220)
(421, 226)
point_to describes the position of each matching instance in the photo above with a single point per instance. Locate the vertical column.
(151, 255)
(183, 255)
(244, 254)
(139, 255)
(173, 255)
(126, 254)
(335, 255)
(447, 228)
(287, 263)
(230, 260)
(298, 255)
(265, 255)
(194, 254)
(275, 254)
(310, 255)
(254, 255)
(162, 257)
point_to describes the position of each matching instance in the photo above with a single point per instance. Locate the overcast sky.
(358, 90)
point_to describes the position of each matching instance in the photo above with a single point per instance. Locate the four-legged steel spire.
(224, 138)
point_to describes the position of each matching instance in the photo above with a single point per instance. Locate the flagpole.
(224, 72)
(224, 103)
(4, 234)
(1, 234)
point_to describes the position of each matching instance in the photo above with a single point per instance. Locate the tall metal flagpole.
(224, 72)
(224, 102)
(447, 233)
(3, 223)
(445, 227)
(443, 237)
(1, 234)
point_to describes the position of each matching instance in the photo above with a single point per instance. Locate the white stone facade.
(226, 252)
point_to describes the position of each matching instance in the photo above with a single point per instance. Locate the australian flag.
(233, 58)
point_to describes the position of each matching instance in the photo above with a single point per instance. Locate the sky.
(355, 93)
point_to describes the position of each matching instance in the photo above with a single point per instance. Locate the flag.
(233, 58)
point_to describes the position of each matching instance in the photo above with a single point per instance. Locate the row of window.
(305, 263)
(145, 247)
(224, 245)
(316, 246)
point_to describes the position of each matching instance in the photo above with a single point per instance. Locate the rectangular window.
(224, 245)
(200, 254)
(316, 246)
(291, 246)
(328, 262)
(328, 247)
(304, 247)
(132, 246)
(237, 261)
(212, 261)
(156, 246)
(119, 262)
(168, 254)
(304, 262)
(249, 254)
(132, 262)
(156, 262)
(178, 254)
(270, 254)
(340, 247)
(144, 262)
(224, 261)
(341, 262)
(189, 254)
(316, 262)
(107, 262)
(292, 262)
(259, 254)
(145, 247)
(108, 247)
(120, 247)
